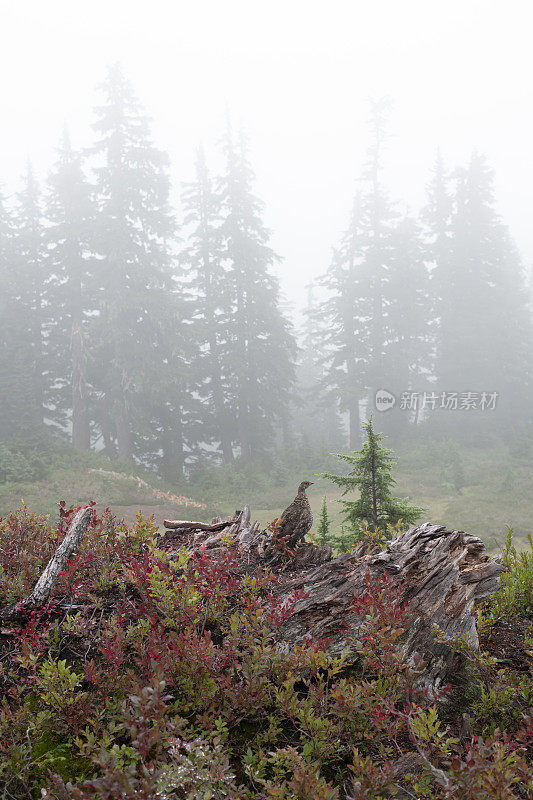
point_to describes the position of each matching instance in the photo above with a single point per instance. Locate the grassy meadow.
(480, 490)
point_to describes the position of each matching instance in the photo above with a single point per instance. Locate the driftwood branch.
(45, 585)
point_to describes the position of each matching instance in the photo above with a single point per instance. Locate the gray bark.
(184, 525)
(45, 585)
(443, 574)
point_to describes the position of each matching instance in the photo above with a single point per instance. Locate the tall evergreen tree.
(212, 304)
(378, 221)
(18, 411)
(316, 414)
(436, 219)
(261, 349)
(375, 322)
(485, 325)
(72, 292)
(409, 330)
(7, 409)
(31, 284)
(356, 322)
(137, 364)
(341, 324)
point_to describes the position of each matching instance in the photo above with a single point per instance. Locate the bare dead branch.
(45, 585)
(189, 525)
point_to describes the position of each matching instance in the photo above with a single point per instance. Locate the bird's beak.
(311, 483)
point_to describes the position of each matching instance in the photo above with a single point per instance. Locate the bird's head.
(303, 486)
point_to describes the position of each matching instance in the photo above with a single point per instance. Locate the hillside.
(79, 478)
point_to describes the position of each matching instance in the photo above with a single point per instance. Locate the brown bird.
(297, 518)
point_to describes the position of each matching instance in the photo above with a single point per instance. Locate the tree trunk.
(123, 425)
(354, 426)
(220, 411)
(374, 493)
(107, 433)
(217, 392)
(244, 433)
(81, 434)
(171, 443)
(37, 335)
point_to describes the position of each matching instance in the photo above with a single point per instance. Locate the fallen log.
(45, 585)
(189, 525)
(441, 573)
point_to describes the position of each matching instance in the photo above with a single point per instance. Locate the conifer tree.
(370, 474)
(18, 410)
(356, 324)
(323, 523)
(140, 347)
(316, 417)
(72, 291)
(436, 217)
(378, 223)
(30, 286)
(212, 304)
(409, 345)
(7, 409)
(436, 221)
(346, 539)
(485, 325)
(261, 351)
(341, 326)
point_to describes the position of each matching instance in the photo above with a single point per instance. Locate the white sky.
(298, 73)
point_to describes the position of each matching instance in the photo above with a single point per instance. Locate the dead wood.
(186, 525)
(442, 575)
(45, 585)
(217, 524)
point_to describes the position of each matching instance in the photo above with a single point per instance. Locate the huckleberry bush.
(154, 673)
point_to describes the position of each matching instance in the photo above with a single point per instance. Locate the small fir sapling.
(370, 474)
(323, 523)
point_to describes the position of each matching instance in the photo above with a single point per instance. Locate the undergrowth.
(154, 674)
(516, 584)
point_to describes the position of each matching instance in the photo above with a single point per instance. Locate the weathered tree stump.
(442, 574)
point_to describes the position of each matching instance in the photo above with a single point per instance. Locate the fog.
(274, 256)
(232, 231)
(298, 75)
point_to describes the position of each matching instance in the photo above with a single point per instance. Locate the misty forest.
(173, 624)
(150, 328)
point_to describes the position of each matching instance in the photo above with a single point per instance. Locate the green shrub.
(14, 466)
(515, 596)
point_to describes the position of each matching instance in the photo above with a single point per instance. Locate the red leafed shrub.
(155, 674)
(26, 544)
(490, 768)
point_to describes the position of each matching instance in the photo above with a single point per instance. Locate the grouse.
(297, 518)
